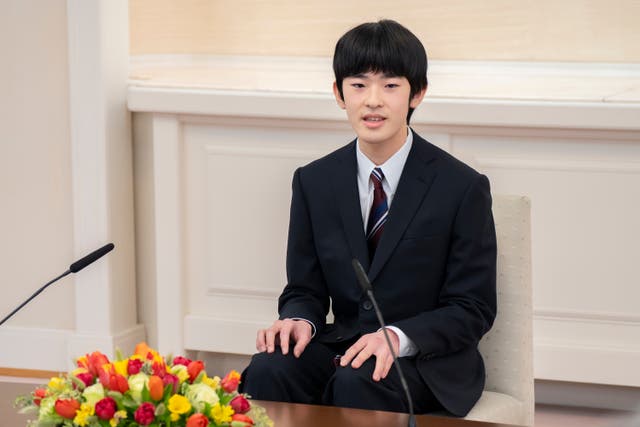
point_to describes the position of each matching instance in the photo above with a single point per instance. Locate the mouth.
(373, 118)
(373, 121)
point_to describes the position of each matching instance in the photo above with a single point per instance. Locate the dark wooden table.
(297, 415)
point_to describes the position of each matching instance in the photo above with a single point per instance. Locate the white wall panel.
(238, 192)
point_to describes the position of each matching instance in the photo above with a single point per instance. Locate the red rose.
(242, 418)
(38, 395)
(86, 378)
(179, 360)
(194, 369)
(67, 408)
(240, 404)
(105, 408)
(145, 414)
(134, 366)
(197, 420)
(159, 369)
(173, 380)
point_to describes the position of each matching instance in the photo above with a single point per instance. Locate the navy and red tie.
(378, 213)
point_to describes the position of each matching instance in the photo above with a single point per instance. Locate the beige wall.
(540, 30)
(36, 226)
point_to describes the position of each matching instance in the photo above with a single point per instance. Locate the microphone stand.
(366, 286)
(35, 294)
(73, 268)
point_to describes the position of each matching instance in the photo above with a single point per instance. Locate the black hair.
(386, 47)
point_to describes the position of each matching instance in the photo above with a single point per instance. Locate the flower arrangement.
(144, 389)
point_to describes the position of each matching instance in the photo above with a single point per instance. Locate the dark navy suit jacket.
(433, 273)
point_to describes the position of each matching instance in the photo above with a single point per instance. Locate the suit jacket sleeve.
(305, 295)
(467, 299)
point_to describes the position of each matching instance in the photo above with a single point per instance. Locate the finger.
(362, 357)
(301, 344)
(260, 341)
(379, 368)
(388, 364)
(352, 352)
(270, 337)
(285, 332)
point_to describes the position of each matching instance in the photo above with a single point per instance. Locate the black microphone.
(363, 280)
(93, 256)
(73, 268)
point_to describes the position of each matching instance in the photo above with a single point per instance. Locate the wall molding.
(461, 93)
(587, 316)
(24, 347)
(242, 292)
(233, 336)
(270, 153)
(558, 165)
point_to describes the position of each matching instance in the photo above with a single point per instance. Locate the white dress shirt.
(392, 169)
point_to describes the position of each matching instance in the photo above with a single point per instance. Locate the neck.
(380, 153)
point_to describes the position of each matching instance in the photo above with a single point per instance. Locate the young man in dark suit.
(420, 223)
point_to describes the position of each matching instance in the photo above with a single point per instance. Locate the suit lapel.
(417, 176)
(345, 185)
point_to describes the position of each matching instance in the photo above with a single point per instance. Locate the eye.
(357, 85)
(392, 85)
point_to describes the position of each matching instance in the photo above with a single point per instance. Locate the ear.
(417, 98)
(339, 99)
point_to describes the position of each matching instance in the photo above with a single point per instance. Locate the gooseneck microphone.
(363, 280)
(73, 268)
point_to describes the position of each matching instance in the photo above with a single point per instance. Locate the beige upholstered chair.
(508, 347)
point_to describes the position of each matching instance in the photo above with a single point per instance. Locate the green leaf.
(116, 395)
(199, 378)
(168, 391)
(80, 385)
(129, 403)
(146, 397)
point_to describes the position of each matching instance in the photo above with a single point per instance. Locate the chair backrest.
(507, 348)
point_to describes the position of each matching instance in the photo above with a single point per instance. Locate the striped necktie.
(378, 213)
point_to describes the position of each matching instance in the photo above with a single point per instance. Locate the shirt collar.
(392, 168)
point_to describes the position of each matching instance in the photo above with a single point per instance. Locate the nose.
(373, 99)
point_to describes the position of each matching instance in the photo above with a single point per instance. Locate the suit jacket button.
(339, 338)
(367, 305)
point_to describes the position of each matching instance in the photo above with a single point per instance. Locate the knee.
(348, 378)
(268, 365)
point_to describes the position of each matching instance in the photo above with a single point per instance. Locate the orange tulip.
(194, 369)
(67, 408)
(242, 418)
(142, 350)
(156, 387)
(119, 383)
(197, 420)
(96, 361)
(38, 395)
(231, 381)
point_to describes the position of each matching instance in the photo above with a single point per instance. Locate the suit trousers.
(314, 379)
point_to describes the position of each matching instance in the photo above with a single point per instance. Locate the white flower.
(136, 384)
(93, 394)
(199, 394)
